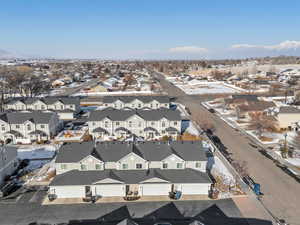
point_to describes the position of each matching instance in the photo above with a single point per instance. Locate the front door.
(88, 191)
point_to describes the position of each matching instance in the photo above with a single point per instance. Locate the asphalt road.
(211, 212)
(281, 192)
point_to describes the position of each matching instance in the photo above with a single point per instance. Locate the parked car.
(69, 126)
(211, 110)
(188, 110)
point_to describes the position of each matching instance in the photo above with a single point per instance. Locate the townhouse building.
(136, 102)
(108, 169)
(66, 107)
(149, 124)
(26, 127)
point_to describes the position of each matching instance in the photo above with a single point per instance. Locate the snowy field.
(192, 129)
(219, 169)
(39, 155)
(198, 88)
(36, 152)
(112, 93)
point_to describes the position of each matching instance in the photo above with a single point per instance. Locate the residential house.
(66, 107)
(245, 111)
(236, 100)
(149, 124)
(136, 102)
(25, 127)
(288, 117)
(8, 161)
(109, 169)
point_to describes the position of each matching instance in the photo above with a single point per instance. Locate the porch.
(103, 200)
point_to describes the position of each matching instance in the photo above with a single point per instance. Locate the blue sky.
(153, 29)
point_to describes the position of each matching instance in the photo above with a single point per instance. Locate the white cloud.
(285, 45)
(188, 49)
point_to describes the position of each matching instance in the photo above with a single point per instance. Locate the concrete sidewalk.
(67, 201)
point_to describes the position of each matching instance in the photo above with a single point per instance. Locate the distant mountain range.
(4, 54)
(7, 55)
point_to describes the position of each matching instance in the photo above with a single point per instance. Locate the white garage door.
(155, 189)
(110, 190)
(195, 189)
(68, 191)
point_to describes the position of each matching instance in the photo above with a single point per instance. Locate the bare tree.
(261, 123)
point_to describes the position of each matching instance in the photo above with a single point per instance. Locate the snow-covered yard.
(293, 161)
(38, 155)
(36, 151)
(204, 87)
(71, 135)
(219, 169)
(191, 129)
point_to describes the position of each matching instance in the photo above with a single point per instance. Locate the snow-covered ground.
(39, 155)
(293, 161)
(36, 151)
(112, 93)
(194, 87)
(192, 129)
(219, 169)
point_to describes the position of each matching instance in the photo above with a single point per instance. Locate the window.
(42, 126)
(140, 124)
(163, 124)
(124, 166)
(63, 166)
(139, 105)
(175, 123)
(151, 106)
(130, 124)
(18, 126)
(138, 166)
(165, 165)
(93, 123)
(83, 167)
(28, 127)
(198, 165)
(117, 123)
(152, 123)
(43, 107)
(98, 166)
(106, 124)
(179, 166)
(3, 127)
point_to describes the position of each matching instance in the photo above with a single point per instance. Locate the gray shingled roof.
(121, 115)
(145, 99)
(21, 117)
(76, 177)
(47, 100)
(114, 151)
(247, 97)
(74, 152)
(289, 109)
